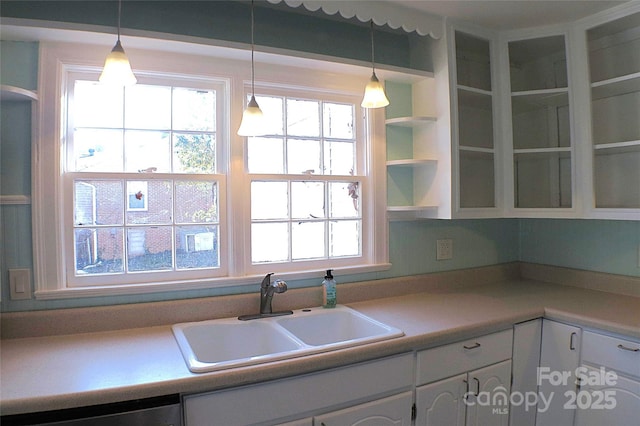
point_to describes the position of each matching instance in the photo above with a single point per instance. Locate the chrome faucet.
(267, 290)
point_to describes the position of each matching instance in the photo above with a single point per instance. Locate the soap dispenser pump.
(329, 290)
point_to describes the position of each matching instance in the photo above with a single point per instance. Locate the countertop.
(55, 372)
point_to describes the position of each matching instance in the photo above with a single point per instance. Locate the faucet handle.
(280, 286)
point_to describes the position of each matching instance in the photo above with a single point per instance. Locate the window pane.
(307, 240)
(272, 108)
(96, 105)
(194, 153)
(194, 109)
(339, 158)
(98, 250)
(97, 150)
(149, 249)
(147, 107)
(196, 202)
(197, 247)
(303, 118)
(307, 200)
(269, 242)
(98, 202)
(265, 155)
(269, 200)
(147, 151)
(149, 202)
(338, 121)
(303, 156)
(344, 238)
(343, 199)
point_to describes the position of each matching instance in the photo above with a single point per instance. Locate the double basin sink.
(227, 343)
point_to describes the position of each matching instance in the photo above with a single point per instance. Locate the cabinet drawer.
(618, 354)
(449, 360)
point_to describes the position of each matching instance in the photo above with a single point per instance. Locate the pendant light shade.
(253, 121)
(374, 96)
(117, 69)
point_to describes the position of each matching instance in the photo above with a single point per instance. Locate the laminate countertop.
(64, 371)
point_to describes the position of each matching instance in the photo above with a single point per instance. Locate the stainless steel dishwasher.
(160, 411)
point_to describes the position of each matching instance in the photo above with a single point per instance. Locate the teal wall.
(596, 245)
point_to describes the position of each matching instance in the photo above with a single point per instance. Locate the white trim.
(6, 200)
(56, 58)
(146, 288)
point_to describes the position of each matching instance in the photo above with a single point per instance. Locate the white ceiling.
(511, 14)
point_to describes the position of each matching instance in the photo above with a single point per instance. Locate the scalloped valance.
(381, 12)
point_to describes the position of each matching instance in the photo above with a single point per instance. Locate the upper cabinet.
(474, 143)
(541, 148)
(614, 76)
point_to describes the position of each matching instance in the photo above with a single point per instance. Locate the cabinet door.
(559, 358)
(392, 411)
(441, 403)
(614, 405)
(489, 403)
(526, 359)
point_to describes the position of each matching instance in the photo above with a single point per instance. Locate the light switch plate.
(20, 284)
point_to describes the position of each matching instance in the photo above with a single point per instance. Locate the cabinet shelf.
(470, 89)
(13, 93)
(415, 121)
(475, 98)
(411, 162)
(543, 97)
(411, 212)
(615, 86)
(617, 147)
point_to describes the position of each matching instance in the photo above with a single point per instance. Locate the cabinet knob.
(469, 347)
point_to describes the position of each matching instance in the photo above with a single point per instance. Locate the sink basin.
(226, 343)
(217, 344)
(336, 327)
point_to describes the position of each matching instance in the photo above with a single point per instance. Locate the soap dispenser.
(329, 291)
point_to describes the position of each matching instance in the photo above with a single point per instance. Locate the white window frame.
(48, 226)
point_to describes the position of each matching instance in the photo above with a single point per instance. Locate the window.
(140, 167)
(149, 189)
(306, 174)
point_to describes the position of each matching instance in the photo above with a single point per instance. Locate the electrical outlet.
(444, 249)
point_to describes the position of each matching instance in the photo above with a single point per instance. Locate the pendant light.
(252, 118)
(117, 70)
(374, 96)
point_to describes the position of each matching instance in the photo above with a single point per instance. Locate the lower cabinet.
(298, 399)
(559, 358)
(480, 397)
(609, 377)
(465, 383)
(391, 411)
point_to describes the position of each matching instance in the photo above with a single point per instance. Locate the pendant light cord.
(119, 14)
(252, 49)
(373, 64)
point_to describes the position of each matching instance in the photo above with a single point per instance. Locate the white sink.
(226, 343)
(336, 327)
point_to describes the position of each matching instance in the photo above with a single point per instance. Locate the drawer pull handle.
(624, 348)
(571, 345)
(475, 345)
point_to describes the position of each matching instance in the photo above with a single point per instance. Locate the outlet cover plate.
(444, 249)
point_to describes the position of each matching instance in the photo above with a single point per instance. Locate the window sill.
(176, 286)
